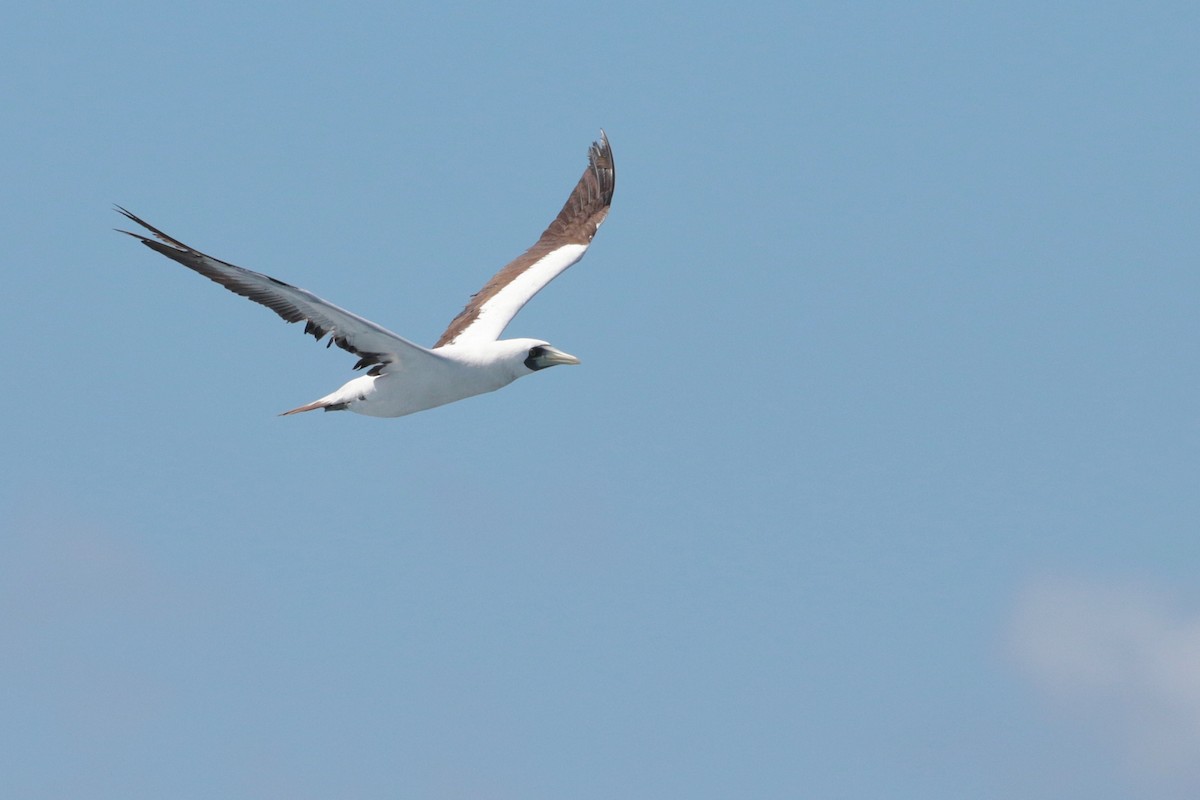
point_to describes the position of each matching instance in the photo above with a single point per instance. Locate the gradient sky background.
(879, 478)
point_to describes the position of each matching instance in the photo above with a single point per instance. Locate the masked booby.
(469, 358)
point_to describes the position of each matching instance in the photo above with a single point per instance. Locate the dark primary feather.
(370, 342)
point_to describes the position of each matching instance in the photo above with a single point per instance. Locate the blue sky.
(878, 478)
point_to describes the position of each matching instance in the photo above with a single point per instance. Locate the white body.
(461, 371)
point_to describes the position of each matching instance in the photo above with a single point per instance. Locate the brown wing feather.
(582, 214)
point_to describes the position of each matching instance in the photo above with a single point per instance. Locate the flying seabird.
(469, 358)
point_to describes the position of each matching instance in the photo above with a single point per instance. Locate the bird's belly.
(398, 394)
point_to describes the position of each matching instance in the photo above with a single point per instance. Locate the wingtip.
(155, 232)
(125, 212)
(601, 148)
(600, 160)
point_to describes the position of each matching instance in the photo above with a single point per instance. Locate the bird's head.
(512, 358)
(539, 355)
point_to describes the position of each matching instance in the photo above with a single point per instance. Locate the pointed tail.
(355, 390)
(325, 404)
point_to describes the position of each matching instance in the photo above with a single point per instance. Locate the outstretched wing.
(563, 243)
(370, 342)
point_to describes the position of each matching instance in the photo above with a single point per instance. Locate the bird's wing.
(563, 243)
(370, 342)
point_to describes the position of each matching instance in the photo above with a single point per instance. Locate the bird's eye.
(533, 361)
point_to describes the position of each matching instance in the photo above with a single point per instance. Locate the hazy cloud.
(1124, 659)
